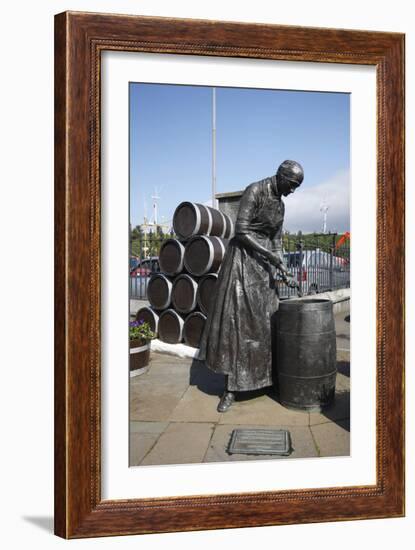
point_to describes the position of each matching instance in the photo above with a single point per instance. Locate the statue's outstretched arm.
(277, 249)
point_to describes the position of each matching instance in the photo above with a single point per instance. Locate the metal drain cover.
(251, 441)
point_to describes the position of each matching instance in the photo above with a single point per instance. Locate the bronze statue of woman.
(237, 337)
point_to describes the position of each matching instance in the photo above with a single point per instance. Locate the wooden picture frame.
(79, 40)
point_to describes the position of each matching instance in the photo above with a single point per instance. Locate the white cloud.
(302, 209)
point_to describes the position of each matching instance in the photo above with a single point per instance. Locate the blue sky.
(171, 148)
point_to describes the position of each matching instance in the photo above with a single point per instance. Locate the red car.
(146, 267)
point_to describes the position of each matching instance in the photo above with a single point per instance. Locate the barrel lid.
(198, 254)
(144, 310)
(184, 293)
(193, 328)
(171, 257)
(186, 218)
(306, 303)
(159, 291)
(206, 291)
(170, 327)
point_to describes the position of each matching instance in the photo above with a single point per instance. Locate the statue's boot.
(226, 401)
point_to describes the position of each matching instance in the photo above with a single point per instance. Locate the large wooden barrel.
(184, 293)
(305, 353)
(171, 327)
(171, 257)
(222, 225)
(148, 316)
(206, 291)
(204, 254)
(191, 219)
(159, 291)
(193, 328)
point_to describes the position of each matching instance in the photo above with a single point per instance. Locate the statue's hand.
(275, 259)
(290, 281)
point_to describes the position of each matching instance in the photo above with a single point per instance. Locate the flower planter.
(139, 356)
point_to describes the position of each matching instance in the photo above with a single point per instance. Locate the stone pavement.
(173, 417)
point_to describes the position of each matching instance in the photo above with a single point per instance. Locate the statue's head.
(290, 175)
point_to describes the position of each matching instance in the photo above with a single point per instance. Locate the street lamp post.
(213, 147)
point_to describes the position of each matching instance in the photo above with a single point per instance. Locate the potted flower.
(140, 340)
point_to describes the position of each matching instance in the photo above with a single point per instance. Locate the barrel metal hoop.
(231, 233)
(308, 377)
(210, 224)
(309, 407)
(303, 334)
(181, 248)
(194, 284)
(222, 246)
(198, 218)
(139, 349)
(212, 253)
(306, 305)
(224, 225)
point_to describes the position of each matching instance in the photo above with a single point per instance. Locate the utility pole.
(324, 208)
(155, 198)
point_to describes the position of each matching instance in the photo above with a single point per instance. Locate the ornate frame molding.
(79, 40)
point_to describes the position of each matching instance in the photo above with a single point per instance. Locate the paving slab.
(157, 406)
(196, 406)
(148, 427)
(339, 410)
(155, 394)
(164, 369)
(263, 410)
(342, 322)
(342, 381)
(206, 380)
(302, 443)
(181, 443)
(140, 444)
(146, 383)
(333, 438)
(343, 370)
(343, 355)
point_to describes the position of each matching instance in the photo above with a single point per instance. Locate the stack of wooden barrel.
(181, 294)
